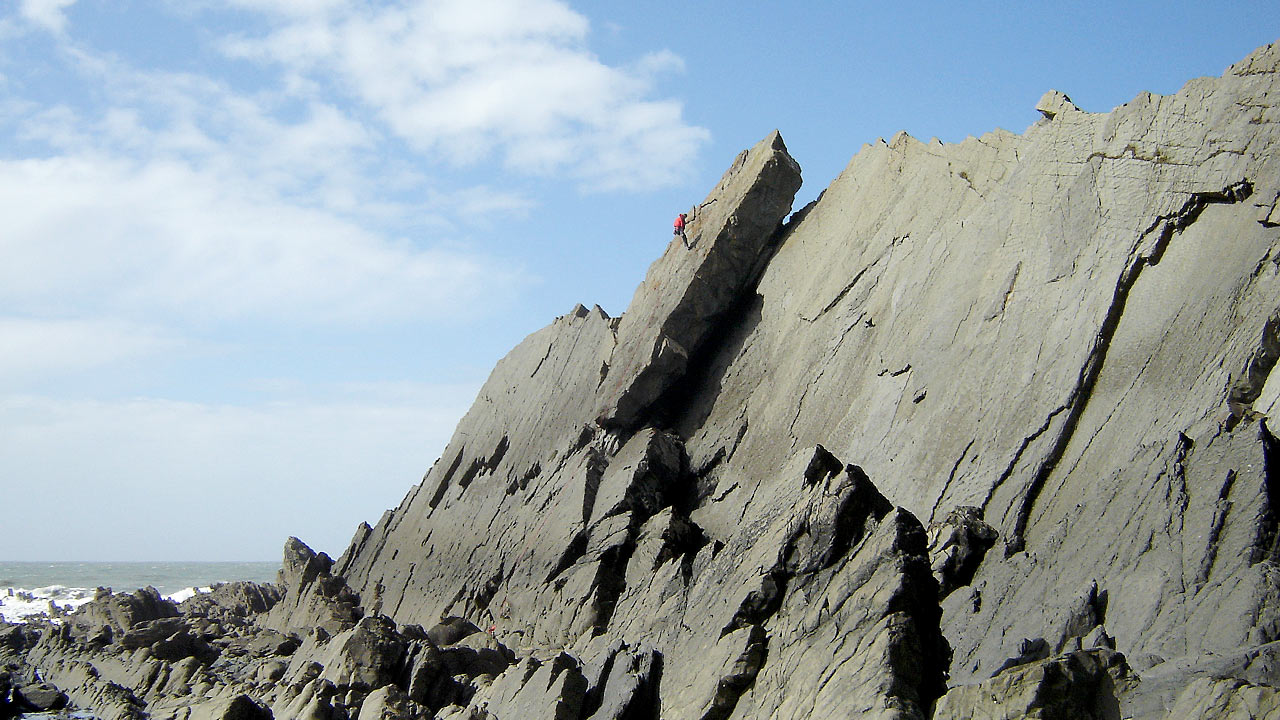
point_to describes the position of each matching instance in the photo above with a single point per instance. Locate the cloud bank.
(228, 175)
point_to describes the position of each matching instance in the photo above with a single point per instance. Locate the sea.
(31, 589)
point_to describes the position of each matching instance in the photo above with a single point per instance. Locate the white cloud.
(163, 238)
(35, 347)
(154, 479)
(47, 14)
(467, 79)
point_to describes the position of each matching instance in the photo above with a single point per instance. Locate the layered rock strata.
(981, 432)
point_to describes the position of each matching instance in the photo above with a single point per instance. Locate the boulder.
(311, 595)
(450, 630)
(386, 703)
(240, 707)
(40, 697)
(1079, 685)
(120, 612)
(147, 633)
(233, 600)
(369, 654)
(957, 545)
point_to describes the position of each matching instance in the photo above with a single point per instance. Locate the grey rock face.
(1026, 341)
(687, 289)
(116, 613)
(232, 600)
(1079, 686)
(957, 545)
(1055, 351)
(312, 596)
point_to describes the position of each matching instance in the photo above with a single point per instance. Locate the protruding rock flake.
(986, 430)
(1054, 103)
(688, 289)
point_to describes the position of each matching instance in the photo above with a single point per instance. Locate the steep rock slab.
(1005, 324)
(1028, 325)
(821, 602)
(687, 289)
(531, 439)
(517, 447)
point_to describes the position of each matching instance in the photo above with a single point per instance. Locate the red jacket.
(679, 223)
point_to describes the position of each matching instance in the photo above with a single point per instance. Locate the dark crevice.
(1267, 546)
(821, 466)
(498, 453)
(1166, 227)
(1017, 455)
(895, 373)
(483, 596)
(726, 335)
(532, 472)
(919, 601)
(404, 590)
(854, 282)
(545, 355)
(585, 436)
(950, 478)
(647, 704)
(576, 549)
(594, 696)
(858, 504)
(841, 295)
(596, 465)
(729, 688)
(1247, 386)
(1220, 509)
(611, 580)
(444, 481)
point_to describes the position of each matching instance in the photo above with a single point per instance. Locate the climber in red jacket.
(679, 228)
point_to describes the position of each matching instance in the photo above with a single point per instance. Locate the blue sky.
(260, 254)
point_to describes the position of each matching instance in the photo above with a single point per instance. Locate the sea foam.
(19, 605)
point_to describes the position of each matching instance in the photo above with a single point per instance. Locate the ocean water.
(28, 588)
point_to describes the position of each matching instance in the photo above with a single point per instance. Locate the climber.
(679, 228)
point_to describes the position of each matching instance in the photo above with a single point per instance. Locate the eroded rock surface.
(984, 431)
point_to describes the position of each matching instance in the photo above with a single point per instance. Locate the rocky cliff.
(981, 432)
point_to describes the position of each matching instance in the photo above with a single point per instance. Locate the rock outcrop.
(984, 431)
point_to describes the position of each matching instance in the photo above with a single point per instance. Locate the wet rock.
(234, 600)
(146, 633)
(6, 707)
